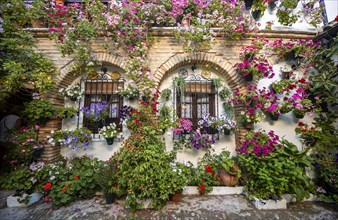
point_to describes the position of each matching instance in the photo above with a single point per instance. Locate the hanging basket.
(110, 141)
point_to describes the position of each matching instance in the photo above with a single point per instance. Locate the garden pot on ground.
(229, 179)
(110, 198)
(248, 78)
(176, 197)
(110, 141)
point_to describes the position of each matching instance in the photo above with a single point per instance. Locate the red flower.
(302, 80)
(77, 177)
(137, 120)
(304, 130)
(64, 189)
(115, 185)
(47, 186)
(301, 124)
(208, 169)
(312, 128)
(336, 18)
(202, 187)
(48, 199)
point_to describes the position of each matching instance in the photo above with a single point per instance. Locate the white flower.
(52, 178)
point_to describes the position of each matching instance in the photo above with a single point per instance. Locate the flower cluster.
(216, 123)
(130, 92)
(74, 139)
(109, 131)
(97, 111)
(259, 143)
(182, 125)
(125, 112)
(72, 92)
(199, 140)
(257, 66)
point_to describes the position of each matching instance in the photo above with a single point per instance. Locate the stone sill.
(217, 190)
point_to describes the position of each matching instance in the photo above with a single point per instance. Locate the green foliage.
(165, 118)
(285, 13)
(144, 169)
(19, 180)
(67, 112)
(166, 94)
(179, 84)
(281, 85)
(268, 177)
(38, 108)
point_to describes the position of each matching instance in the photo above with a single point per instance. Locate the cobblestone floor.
(191, 207)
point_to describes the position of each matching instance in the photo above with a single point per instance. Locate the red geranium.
(301, 124)
(208, 169)
(304, 130)
(47, 186)
(77, 177)
(202, 187)
(336, 18)
(48, 199)
(115, 185)
(64, 189)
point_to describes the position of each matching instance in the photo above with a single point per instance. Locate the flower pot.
(248, 4)
(248, 78)
(110, 198)
(226, 131)
(74, 99)
(229, 179)
(98, 124)
(212, 130)
(286, 75)
(298, 114)
(290, 56)
(272, 5)
(273, 117)
(256, 14)
(176, 197)
(42, 121)
(110, 141)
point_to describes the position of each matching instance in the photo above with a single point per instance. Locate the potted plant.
(109, 132)
(199, 140)
(285, 13)
(179, 84)
(258, 8)
(74, 139)
(225, 94)
(72, 92)
(281, 86)
(130, 92)
(39, 110)
(96, 112)
(286, 73)
(166, 94)
(106, 178)
(230, 172)
(67, 112)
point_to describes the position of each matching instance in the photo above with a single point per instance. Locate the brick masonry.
(165, 55)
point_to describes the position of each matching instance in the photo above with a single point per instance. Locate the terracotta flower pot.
(176, 197)
(229, 179)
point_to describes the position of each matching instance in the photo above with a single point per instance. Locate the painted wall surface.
(284, 127)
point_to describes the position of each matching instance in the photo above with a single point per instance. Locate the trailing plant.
(109, 131)
(67, 112)
(285, 13)
(166, 94)
(165, 118)
(179, 84)
(38, 108)
(72, 92)
(217, 82)
(74, 139)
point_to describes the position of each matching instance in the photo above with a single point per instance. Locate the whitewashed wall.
(284, 127)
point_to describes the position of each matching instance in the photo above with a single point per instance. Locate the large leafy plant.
(272, 167)
(39, 108)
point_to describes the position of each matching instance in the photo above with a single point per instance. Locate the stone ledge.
(269, 204)
(12, 201)
(217, 190)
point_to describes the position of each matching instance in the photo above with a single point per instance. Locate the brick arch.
(224, 68)
(66, 78)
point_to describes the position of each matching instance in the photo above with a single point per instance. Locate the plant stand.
(110, 198)
(110, 141)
